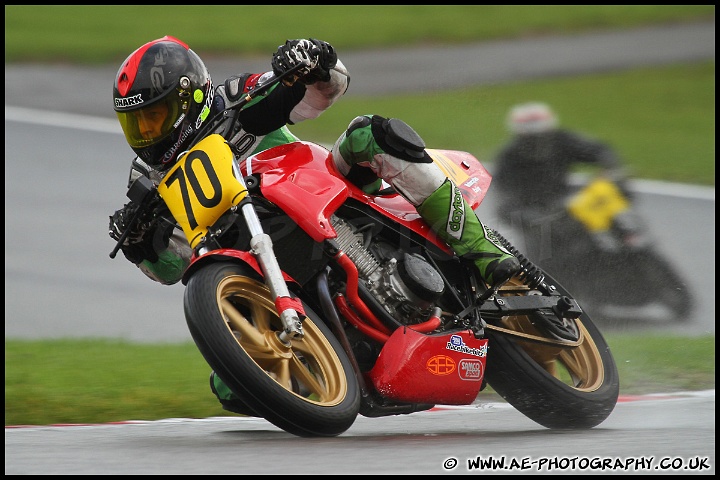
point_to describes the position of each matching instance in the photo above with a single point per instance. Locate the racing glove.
(319, 58)
(618, 176)
(145, 238)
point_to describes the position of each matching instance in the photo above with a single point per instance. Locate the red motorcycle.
(316, 302)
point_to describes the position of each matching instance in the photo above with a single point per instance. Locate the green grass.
(95, 381)
(100, 381)
(97, 34)
(663, 363)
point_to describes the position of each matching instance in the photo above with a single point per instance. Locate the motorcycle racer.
(163, 95)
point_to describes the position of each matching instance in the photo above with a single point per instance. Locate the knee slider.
(399, 139)
(358, 122)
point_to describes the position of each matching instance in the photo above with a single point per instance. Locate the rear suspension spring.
(531, 275)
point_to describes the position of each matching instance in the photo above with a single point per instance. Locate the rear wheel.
(668, 287)
(306, 387)
(559, 384)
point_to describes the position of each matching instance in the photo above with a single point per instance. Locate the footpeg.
(562, 328)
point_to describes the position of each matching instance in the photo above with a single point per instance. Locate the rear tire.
(557, 387)
(667, 286)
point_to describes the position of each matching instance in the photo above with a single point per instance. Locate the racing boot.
(450, 216)
(227, 398)
(394, 152)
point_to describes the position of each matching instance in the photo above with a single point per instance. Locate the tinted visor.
(147, 126)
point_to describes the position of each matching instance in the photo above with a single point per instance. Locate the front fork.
(262, 248)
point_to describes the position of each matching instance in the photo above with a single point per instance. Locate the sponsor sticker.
(457, 344)
(440, 365)
(470, 369)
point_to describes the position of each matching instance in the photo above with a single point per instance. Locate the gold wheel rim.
(308, 367)
(579, 366)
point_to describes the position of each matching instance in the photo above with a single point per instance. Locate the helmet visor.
(149, 125)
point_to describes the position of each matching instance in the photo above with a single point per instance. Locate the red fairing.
(471, 177)
(443, 369)
(292, 180)
(302, 179)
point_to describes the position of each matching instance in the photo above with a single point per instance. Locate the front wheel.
(307, 387)
(558, 384)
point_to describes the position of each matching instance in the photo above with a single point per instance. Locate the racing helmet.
(162, 95)
(531, 117)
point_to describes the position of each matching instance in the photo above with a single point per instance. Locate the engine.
(405, 284)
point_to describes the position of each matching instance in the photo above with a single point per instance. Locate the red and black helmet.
(162, 95)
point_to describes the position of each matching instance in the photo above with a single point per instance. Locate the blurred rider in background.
(532, 181)
(532, 171)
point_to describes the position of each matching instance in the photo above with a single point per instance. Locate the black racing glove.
(618, 176)
(625, 189)
(318, 56)
(145, 238)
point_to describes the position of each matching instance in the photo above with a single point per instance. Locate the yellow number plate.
(597, 204)
(201, 187)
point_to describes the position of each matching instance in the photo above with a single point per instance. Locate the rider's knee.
(393, 136)
(398, 139)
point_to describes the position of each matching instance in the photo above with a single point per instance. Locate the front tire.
(307, 387)
(559, 387)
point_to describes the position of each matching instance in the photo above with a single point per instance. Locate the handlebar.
(141, 192)
(288, 78)
(262, 89)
